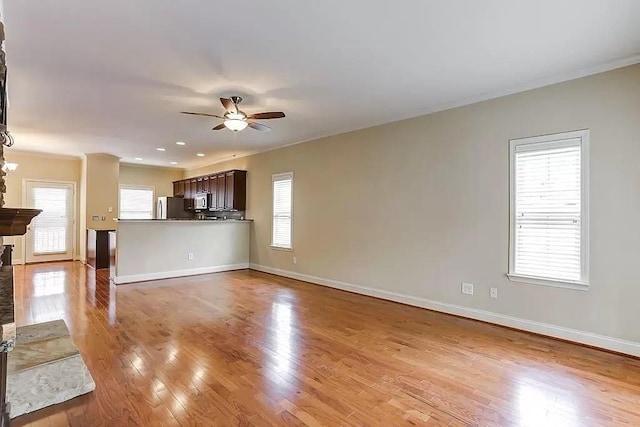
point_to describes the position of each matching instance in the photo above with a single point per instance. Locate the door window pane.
(50, 227)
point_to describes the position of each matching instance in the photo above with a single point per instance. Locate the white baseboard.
(119, 280)
(581, 337)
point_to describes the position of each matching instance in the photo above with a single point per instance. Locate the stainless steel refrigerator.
(171, 208)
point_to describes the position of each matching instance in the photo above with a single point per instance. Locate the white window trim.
(278, 177)
(583, 283)
(139, 187)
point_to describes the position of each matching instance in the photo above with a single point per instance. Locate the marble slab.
(42, 331)
(45, 385)
(26, 356)
(45, 368)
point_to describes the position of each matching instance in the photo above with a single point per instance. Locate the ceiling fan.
(237, 120)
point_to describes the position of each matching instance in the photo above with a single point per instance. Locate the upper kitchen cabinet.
(235, 198)
(220, 194)
(190, 190)
(228, 190)
(189, 194)
(178, 188)
(205, 185)
(213, 189)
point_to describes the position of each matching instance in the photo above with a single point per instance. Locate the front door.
(50, 235)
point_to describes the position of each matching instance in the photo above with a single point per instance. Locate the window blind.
(50, 227)
(547, 211)
(136, 203)
(282, 202)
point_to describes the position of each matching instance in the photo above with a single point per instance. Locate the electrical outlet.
(110, 209)
(190, 256)
(295, 260)
(494, 293)
(467, 288)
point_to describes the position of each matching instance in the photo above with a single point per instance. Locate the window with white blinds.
(282, 214)
(136, 202)
(549, 209)
(50, 227)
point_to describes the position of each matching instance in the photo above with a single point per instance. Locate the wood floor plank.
(248, 348)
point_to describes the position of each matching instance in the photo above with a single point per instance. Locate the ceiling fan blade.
(219, 127)
(229, 105)
(265, 116)
(258, 126)
(201, 114)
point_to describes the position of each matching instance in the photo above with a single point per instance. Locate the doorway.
(50, 237)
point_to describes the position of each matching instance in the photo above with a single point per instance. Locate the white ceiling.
(112, 75)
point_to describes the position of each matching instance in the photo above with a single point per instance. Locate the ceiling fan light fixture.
(235, 116)
(235, 125)
(236, 120)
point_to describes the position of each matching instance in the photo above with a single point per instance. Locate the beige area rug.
(45, 368)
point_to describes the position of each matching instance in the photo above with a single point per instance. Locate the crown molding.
(143, 166)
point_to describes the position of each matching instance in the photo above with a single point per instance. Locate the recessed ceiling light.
(138, 158)
(174, 163)
(181, 143)
(161, 149)
(200, 154)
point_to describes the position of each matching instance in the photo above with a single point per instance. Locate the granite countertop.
(7, 309)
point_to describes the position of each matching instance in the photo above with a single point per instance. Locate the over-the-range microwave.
(200, 202)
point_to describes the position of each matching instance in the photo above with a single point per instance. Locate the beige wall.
(215, 245)
(416, 207)
(34, 166)
(101, 176)
(161, 179)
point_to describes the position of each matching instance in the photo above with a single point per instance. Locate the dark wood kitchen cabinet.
(221, 189)
(228, 190)
(189, 193)
(178, 189)
(235, 198)
(192, 195)
(213, 189)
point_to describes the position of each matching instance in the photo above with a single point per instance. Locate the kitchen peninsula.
(160, 249)
(200, 230)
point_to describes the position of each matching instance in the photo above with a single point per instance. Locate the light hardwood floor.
(247, 348)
